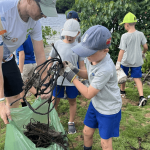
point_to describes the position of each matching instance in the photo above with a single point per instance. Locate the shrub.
(110, 14)
(47, 33)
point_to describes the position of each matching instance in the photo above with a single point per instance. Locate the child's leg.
(136, 73)
(123, 86)
(88, 136)
(73, 106)
(139, 86)
(60, 94)
(106, 144)
(72, 93)
(57, 102)
(126, 70)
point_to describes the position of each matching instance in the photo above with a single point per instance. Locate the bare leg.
(139, 86)
(123, 86)
(106, 144)
(57, 102)
(73, 106)
(32, 90)
(88, 136)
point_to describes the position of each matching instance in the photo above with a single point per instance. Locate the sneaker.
(142, 101)
(71, 128)
(123, 94)
(65, 96)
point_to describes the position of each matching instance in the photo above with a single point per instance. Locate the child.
(70, 31)
(130, 55)
(104, 111)
(26, 63)
(73, 15)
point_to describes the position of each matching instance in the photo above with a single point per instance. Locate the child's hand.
(70, 65)
(118, 65)
(143, 56)
(67, 72)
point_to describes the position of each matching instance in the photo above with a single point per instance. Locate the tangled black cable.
(44, 134)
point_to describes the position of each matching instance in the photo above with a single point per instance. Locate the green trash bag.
(15, 138)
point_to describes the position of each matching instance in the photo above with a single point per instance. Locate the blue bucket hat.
(95, 38)
(73, 14)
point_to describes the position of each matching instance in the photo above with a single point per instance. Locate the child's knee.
(72, 102)
(87, 134)
(106, 144)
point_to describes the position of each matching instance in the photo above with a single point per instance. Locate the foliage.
(146, 65)
(63, 5)
(110, 14)
(47, 33)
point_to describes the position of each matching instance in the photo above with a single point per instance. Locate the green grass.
(135, 122)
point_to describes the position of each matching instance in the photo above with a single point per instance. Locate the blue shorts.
(108, 124)
(71, 91)
(135, 71)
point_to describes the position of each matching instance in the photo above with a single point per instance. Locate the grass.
(134, 126)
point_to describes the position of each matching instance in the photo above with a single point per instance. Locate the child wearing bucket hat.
(104, 110)
(71, 31)
(130, 55)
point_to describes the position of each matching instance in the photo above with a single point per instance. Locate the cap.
(71, 28)
(48, 7)
(95, 38)
(129, 18)
(73, 14)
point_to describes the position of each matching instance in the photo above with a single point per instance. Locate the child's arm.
(83, 74)
(49, 66)
(21, 60)
(120, 55)
(87, 92)
(119, 59)
(145, 48)
(82, 65)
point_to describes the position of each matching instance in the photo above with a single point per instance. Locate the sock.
(87, 148)
(122, 92)
(141, 97)
(23, 104)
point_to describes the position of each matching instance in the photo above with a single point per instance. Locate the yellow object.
(73, 78)
(129, 18)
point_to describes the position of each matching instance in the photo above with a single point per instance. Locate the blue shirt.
(27, 47)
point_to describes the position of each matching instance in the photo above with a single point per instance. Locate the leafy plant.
(47, 33)
(63, 5)
(110, 14)
(146, 65)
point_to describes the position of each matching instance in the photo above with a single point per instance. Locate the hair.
(132, 24)
(70, 15)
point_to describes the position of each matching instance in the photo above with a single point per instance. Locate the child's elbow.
(88, 96)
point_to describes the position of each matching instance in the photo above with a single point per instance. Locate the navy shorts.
(71, 91)
(108, 125)
(12, 78)
(135, 71)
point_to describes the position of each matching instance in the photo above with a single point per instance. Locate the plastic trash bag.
(15, 138)
(121, 76)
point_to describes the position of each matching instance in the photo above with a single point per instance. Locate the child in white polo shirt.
(104, 111)
(70, 31)
(130, 55)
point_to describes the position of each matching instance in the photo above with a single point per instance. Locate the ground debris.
(43, 136)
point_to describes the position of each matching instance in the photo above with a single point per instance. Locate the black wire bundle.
(43, 136)
(52, 76)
